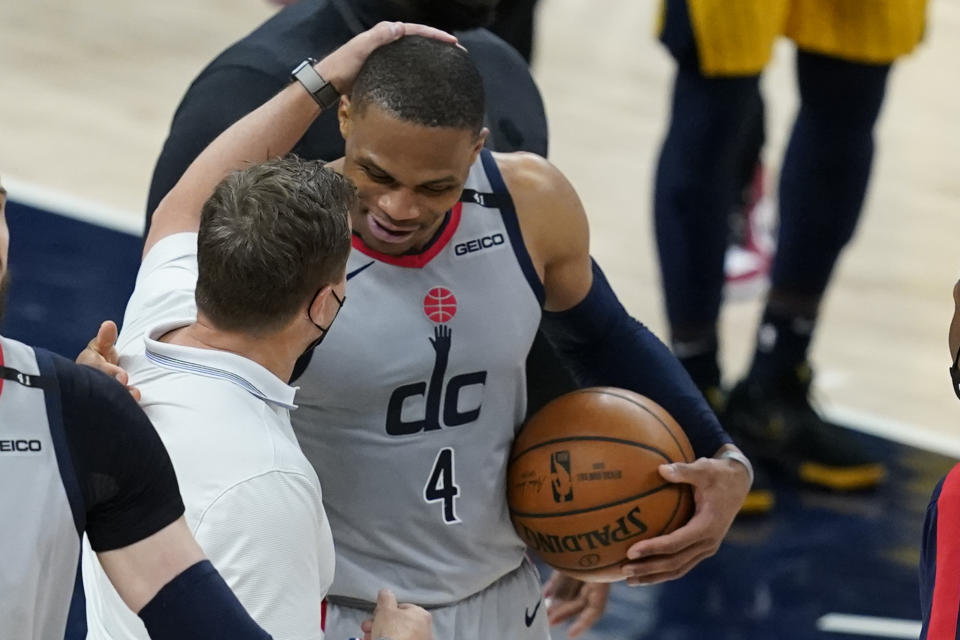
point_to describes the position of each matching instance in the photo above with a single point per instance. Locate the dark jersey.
(76, 454)
(940, 561)
(255, 68)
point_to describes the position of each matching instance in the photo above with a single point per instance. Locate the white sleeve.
(269, 538)
(166, 284)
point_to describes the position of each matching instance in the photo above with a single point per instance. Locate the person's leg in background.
(711, 137)
(823, 181)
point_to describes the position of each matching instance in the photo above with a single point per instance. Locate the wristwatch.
(324, 93)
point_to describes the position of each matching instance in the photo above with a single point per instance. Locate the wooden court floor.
(88, 90)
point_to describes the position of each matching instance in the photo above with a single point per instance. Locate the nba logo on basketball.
(440, 305)
(560, 479)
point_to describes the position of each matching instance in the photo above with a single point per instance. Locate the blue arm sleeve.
(198, 605)
(604, 346)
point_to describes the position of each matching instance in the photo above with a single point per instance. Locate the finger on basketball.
(666, 564)
(657, 578)
(671, 543)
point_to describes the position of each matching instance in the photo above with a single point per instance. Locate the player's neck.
(276, 352)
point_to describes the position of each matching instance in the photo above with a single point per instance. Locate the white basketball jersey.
(409, 408)
(39, 533)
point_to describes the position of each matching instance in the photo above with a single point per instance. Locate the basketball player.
(243, 272)
(458, 253)
(844, 55)
(78, 455)
(940, 555)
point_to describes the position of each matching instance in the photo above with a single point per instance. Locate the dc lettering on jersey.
(438, 404)
(440, 306)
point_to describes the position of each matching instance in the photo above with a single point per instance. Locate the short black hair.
(424, 81)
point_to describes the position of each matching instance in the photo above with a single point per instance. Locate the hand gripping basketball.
(583, 481)
(719, 489)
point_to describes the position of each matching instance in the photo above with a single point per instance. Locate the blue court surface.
(821, 565)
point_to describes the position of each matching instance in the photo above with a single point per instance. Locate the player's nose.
(400, 205)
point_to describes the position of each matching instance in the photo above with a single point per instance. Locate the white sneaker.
(746, 265)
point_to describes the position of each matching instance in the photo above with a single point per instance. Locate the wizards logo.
(442, 396)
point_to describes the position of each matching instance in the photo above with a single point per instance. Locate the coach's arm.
(271, 130)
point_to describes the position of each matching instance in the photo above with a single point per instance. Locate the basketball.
(583, 484)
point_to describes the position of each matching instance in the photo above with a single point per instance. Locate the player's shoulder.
(549, 212)
(528, 174)
(537, 187)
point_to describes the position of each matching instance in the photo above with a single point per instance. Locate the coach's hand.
(397, 621)
(341, 67)
(568, 597)
(101, 354)
(719, 488)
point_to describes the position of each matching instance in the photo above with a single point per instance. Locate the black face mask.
(955, 374)
(449, 15)
(316, 343)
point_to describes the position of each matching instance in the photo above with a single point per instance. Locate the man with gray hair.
(241, 275)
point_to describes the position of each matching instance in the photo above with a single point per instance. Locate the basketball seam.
(652, 414)
(523, 514)
(676, 510)
(630, 443)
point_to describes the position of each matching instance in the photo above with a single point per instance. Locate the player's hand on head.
(101, 354)
(341, 67)
(571, 599)
(397, 621)
(719, 489)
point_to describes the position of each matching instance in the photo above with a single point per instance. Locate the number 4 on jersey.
(441, 486)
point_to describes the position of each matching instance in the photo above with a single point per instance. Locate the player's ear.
(478, 144)
(344, 112)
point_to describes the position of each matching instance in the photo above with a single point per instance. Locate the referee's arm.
(134, 515)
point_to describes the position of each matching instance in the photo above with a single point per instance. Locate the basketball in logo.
(440, 305)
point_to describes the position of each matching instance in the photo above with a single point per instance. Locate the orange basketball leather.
(583, 484)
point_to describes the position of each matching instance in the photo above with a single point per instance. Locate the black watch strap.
(324, 93)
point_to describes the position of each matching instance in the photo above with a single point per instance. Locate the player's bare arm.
(138, 571)
(555, 230)
(269, 131)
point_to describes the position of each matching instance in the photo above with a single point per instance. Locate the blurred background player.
(77, 455)
(845, 52)
(940, 553)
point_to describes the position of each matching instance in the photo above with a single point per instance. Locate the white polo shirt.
(252, 499)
